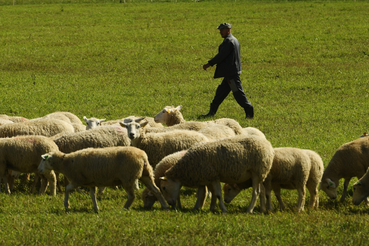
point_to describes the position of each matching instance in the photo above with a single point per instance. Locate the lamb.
(159, 145)
(44, 127)
(231, 160)
(350, 160)
(92, 122)
(292, 168)
(172, 116)
(166, 163)
(361, 190)
(23, 154)
(104, 136)
(108, 166)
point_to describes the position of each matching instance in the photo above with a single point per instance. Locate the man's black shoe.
(210, 114)
(249, 117)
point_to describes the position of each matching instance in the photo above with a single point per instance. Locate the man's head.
(224, 29)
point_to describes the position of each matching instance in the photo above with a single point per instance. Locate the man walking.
(228, 61)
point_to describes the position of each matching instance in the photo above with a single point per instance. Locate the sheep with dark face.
(230, 160)
(103, 167)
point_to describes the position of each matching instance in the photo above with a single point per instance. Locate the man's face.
(224, 32)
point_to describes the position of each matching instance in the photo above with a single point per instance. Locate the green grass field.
(305, 69)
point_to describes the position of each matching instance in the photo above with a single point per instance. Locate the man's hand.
(206, 66)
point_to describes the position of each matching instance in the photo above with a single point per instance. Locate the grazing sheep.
(350, 160)
(361, 189)
(172, 116)
(99, 137)
(109, 166)
(23, 154)
(166, 163)
(92, 122)
(292, 169)
(159, 145)
(44, 127)
(253, 131)
(14, 119)
(230, 160)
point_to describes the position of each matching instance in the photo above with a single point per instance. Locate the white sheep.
(5, 121)
(92, 122)
(159, 145)
(216, 131)
(361, 189)
(292, 168)
(150, 120)
(109, 166)
(14, 119)
(44, 127)
(99, 137)
(166, 163)
(171, 116)
(66, 116)
(230, 160)
(350, 160)
(23, 154)
(253, 131)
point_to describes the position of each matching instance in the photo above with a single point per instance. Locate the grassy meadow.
(305, 70)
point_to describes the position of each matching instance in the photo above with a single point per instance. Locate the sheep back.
(99, 137)
(228, 160)
(44, 127)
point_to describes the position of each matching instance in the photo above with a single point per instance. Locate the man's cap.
(224, 25)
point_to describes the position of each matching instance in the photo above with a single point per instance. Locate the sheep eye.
(328, 187)
(163, 188)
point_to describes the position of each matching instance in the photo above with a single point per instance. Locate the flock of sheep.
(165, 153)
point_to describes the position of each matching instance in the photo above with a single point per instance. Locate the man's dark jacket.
(228, 59)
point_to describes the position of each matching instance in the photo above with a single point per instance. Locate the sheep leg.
(3, 176)
(301, 198)
(51, 178)
(130, 196)
(255, 194)
(277, 193)
(266, 192)
(57, 175)
(345, 186)
(155, 190)
(69, 187)
(201, 194)
(44, 185)
(314, 194)
(217, 195)
(93, 197)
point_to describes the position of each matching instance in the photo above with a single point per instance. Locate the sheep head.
(92, 122)
(329, 187)
(133, 127)
(165, 116)
(170, 190)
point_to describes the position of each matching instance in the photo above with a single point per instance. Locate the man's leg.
(220, 94)
(240, 96)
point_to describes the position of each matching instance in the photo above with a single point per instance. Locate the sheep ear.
(331, 183)
(85, 118)
(179, 107)
(45, 157)
(102, 120)
(143, 124)
(122, 124)
(139, 119)
(163, 178)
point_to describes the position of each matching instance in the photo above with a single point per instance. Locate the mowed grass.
(305, 69)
